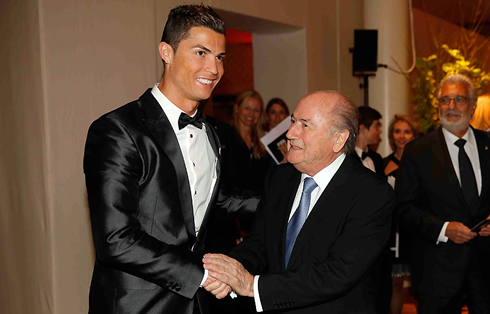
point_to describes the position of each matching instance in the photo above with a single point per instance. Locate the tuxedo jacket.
(337, 263)
(428, 194)
(148, 258)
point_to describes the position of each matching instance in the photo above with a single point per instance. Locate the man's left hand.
(231, 272)
(485, 231)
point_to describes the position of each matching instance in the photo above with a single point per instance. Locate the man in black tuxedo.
(369, 134)
(152, 169)
(442, 191)
(334, 262)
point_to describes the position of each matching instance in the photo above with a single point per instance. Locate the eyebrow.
(207, 49)
(302, 120)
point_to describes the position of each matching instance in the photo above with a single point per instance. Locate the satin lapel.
(445, 164)
(159, 126)
(328, 204)
(483, 144)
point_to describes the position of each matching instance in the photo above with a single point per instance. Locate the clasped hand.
(226, 274)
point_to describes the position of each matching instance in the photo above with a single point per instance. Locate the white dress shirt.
(471, 150)
(322, 179)
(199, 158)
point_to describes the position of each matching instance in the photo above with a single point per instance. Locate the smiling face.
(275, 115)
(311, 145)
(249, 112)
(456, 118)
(192, 72)
(402, 134)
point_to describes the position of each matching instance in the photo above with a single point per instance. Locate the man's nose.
(291, 132)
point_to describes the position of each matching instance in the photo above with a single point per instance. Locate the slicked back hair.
(182, 18)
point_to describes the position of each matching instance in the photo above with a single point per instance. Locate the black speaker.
(365, 52)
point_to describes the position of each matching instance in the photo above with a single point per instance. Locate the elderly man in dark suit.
(443, 190)
(322, 226)
(152, 169)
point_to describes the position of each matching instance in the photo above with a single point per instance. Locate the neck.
(181, 102)
(398, 153)
(362, 144)
(245, 133)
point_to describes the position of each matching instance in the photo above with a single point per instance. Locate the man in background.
(443, 191)
(322, 227)
(369, 134)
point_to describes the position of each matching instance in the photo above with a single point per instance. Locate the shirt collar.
(359, 151)
(171, 111)
(323, 177)
(450, 138)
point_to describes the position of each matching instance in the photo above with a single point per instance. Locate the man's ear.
(362, 128)
(340, 139)
(166, 52)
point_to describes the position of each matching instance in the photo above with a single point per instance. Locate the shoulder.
(424, 143)
(132, 113)
(481, 135)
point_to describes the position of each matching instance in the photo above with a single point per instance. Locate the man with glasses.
(442, 192)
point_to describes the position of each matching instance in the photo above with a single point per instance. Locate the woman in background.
(275, 111)
(247, 161)
(481, 117)
(401, 131)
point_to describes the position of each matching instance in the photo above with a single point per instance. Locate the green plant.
(431, 71)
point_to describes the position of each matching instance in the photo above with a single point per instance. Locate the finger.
(212, 287)
(224, 293)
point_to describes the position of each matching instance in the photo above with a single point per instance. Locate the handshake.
(225, 275)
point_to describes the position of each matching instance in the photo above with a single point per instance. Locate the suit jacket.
(428, 194)
(148, 258)
(337, 263)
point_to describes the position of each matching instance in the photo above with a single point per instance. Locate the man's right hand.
(459, 233)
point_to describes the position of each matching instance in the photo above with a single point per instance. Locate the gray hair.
(459, 79)
(345, 116)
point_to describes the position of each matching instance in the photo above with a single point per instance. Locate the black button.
(192, 136)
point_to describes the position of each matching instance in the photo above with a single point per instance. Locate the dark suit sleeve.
(410, 197)
(122, 197)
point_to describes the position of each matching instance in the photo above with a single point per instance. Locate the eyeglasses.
(458, 100)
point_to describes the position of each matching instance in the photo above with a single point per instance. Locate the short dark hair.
(182, 18)
(367, 116)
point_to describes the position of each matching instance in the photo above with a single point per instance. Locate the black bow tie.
(364, 155)
(196, 121)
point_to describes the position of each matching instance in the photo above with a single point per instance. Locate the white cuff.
(258, 305)
(206, 275)
(442, 234)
